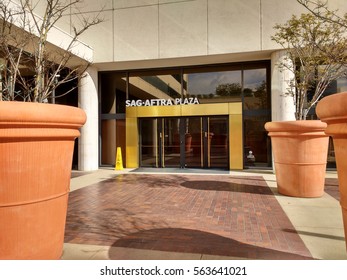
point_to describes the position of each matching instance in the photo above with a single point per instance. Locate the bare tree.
(11, 50)
(320, 9)
(317, 55)
(31, 68)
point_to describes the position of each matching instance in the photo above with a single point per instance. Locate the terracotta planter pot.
(300, 156)
(36, 148)
(333, 110)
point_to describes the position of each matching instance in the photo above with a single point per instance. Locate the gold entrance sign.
(119, 160)
(162, 102)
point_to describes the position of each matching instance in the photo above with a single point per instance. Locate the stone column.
(88, 149)
(282, 104)
(282, 108)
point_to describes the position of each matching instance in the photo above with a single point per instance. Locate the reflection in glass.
(120, 138)
(155, 85)
(256, 114)
(112, 137)
(212, 87)
(218, 150)
(207, 142)
(149, 142)
(194, 142)
(341, 85)
(171, 142)
(255, 91)
(108, 142)
(256, 141)
(113, 93)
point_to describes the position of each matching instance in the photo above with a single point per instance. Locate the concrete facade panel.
(121, 4)
(100, 37)
(87, 6)
(276, 12)
(170, 1)
(183, 29)
(233, 26)
(64, 23)
(135, 30)
(136, 33)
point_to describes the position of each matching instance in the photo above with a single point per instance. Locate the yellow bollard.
(119, 160)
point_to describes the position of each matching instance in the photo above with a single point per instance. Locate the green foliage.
(320, 8)
(317, 55)
(229, 89)
(248, 92)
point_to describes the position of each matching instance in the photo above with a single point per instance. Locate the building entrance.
(192, 142)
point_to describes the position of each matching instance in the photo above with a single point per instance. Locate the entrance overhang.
(233, 110)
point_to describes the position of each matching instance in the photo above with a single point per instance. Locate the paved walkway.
(240, 215)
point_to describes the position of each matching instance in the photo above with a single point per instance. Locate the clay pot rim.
(40, 113)
(302, 125)
(332, 107)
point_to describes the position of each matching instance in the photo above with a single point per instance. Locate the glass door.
(208, 142)
(160, 142)
(148, 130)
(187, 142)
(170, 138)
(218, 142)
(194, 142)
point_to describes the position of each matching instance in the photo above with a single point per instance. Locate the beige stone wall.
(141, 30)
(160, 29)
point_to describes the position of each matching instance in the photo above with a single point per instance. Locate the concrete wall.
(157, 29)
(142, 30)
(59, 35)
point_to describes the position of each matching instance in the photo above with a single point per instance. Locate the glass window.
(257, 143)
(149, 142)
(255, 89)
(155, 85)
(113, 93)
(108, 142)
(112, 98)
(212, 87)
(342, 85)
(242, 82)
(113, 136)
(257, 110)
